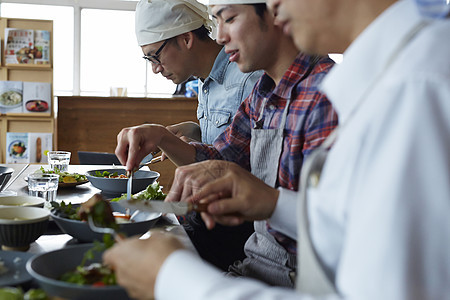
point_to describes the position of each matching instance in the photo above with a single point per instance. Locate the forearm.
(188, 129)
(178, 151)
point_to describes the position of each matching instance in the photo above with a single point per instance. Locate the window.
(108, 52)
(63, 54)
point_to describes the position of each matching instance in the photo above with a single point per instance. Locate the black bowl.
(83, 233)
(118, 186)
(5, 175)
(47, 268)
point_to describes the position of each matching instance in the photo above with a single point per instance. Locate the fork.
(149, 159)
(104, 230)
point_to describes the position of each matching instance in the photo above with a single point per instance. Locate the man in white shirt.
(378, 214)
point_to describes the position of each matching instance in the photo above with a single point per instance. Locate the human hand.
(137, 262)
(191, 178)
(134, 143)
(234, 194)
(235, 197)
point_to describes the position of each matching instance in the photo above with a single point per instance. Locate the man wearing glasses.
(175, 38)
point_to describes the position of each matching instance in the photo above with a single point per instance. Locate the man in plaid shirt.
(286, 97)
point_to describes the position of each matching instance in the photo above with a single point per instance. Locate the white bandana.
(158, 20)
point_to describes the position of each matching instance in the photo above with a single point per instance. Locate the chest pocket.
(219, 118)
(200, 112)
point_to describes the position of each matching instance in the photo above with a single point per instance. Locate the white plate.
(17, 274)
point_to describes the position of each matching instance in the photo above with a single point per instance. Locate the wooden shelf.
(28, 66)
(29, 116)
(26, 122)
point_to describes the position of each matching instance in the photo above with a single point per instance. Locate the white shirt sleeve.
(185, 276)
(284, 218)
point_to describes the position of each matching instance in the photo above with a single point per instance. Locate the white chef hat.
(158, 20)
(219, 2)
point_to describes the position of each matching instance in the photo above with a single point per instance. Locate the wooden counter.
(92, 123)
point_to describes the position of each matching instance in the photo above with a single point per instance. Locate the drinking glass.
(44, 186)
(58, 160)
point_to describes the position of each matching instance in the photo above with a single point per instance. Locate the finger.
(174, 194)
(122, 147)
(133, 149)
(209, 221)
(222, 186)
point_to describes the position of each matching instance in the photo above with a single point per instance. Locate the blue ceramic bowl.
(48, 267)
(83, 233)
(118, 186)
(20, 226)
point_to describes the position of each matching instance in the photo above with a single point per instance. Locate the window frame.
(77, 6)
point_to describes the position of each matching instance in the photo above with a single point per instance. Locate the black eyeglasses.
(154, 59)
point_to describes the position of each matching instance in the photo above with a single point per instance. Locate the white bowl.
(23, 215)
(28, 201)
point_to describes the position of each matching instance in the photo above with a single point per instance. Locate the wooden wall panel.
(92, 123)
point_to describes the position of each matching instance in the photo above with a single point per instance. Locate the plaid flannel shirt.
(309, 121)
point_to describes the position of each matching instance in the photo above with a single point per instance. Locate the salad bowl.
(47, 269)
(80, 230)
(118, 185)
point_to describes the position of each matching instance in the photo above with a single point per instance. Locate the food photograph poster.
(28, 147)
(11, 96)
(25, 97)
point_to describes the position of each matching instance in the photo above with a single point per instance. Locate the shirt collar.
(289, 81)
(220, 67)
(367, 56)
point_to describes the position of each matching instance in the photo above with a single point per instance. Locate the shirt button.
(272, 107)
(206, 117)
(205, 91)
(217, 122)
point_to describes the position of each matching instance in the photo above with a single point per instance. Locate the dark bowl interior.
(5, 175)
(48, 267)
(118, 186)
(81, 231)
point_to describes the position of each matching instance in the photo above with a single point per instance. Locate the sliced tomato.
(99, 283)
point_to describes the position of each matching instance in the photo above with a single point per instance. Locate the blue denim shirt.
(221, 94)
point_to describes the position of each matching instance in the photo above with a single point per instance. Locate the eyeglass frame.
(154, 58)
